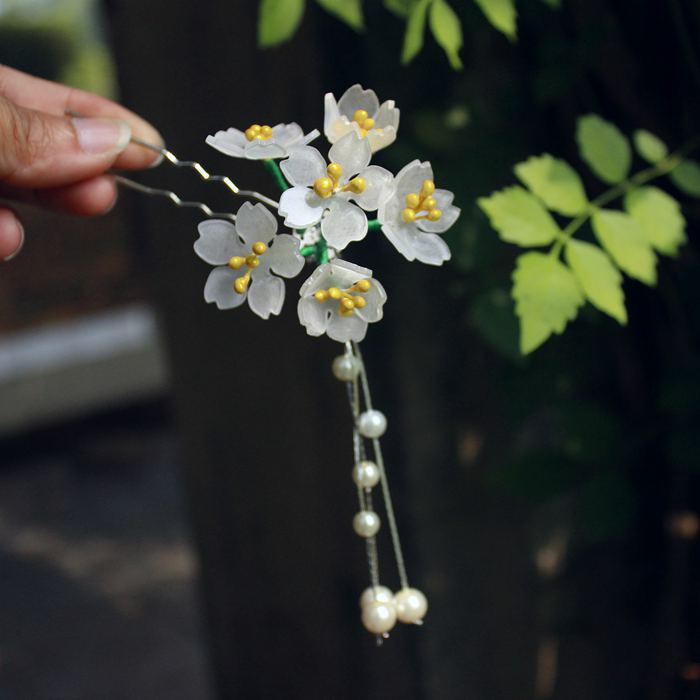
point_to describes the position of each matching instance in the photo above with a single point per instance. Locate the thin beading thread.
(364, 497)
(376, 446)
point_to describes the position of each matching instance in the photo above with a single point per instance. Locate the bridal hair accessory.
(326, 195)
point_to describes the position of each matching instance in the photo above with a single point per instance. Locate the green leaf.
(650, 147)
(660, 217)
(415, 30)
(501, 14)
(519, 217)
(624, 239)
(401, 8)
(555, 182)
(554, 4)
(604, 147)
(599, 278)
(546, 297)
(686, 177)
(348, 11)
(447, 30)
(278, 20)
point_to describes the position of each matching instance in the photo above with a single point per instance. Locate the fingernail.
(159, 159)
(21, 242)
(98, 135)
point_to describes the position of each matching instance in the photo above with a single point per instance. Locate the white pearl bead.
(365, 474)
(366, 523)
(346, 368)
(378, 593)
(411, 605)
(372, 424)
(378, 617)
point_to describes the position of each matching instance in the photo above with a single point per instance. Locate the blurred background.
(175, 500)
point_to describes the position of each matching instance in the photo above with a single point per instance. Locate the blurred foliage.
(58, 41)
(278, 21)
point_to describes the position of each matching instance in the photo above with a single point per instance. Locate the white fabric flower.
(358, 110)
(340, 299)
(412, 212)
(261, 142)
(246, 255)
(318, 189)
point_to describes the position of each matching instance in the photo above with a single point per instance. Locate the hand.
(58, 162)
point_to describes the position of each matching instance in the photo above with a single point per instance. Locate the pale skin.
(58, 162)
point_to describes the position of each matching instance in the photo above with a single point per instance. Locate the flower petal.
(232, 142)
(352, 152)
(413, 244)
(375, 299)
(304, 166)
(254, 223)
(410, 178)
(355, 98)
(387, 116)
(301, 207)
(219, 288)
(331, 114)
(381, 138)
(376, 178)
(266, 296)
(285, 259)
(344, 328)
(217, 242)
(450, 213)
(260, 149)
(287, 135)
(344, 223)
(313, 316)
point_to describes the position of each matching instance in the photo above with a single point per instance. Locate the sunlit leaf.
(415, 31)
(447, 30)
(519, 217)
(660, 217)
(650, 147)
(547, 297)
(686, 177)
(502, 15)
(604, 147)
(348, 11)
(599, 278)
(626, 242)
(278, 20)
(555, 182)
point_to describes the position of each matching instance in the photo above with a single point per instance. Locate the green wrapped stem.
(274, 169)
(373, 225)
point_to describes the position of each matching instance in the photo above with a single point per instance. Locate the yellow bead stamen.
(347, 303)
(240, 284)
(423, 205)
(256, 131)
(326, 186)
(363, 120)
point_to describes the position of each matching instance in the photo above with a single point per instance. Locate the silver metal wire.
(204, 208)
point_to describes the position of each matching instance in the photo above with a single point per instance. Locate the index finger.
(45, 96)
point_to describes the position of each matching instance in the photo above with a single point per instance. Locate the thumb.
(40, 150)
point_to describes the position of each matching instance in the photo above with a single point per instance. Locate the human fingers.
(11, 234)
(44, 96)
(40, 150)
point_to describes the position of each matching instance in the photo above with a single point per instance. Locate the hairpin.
(324, 204)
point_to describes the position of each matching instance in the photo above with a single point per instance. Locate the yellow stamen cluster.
(326, 186)
(363, 120)
(422, 205)
(256, 131)
(347, 303)
(240, 284)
